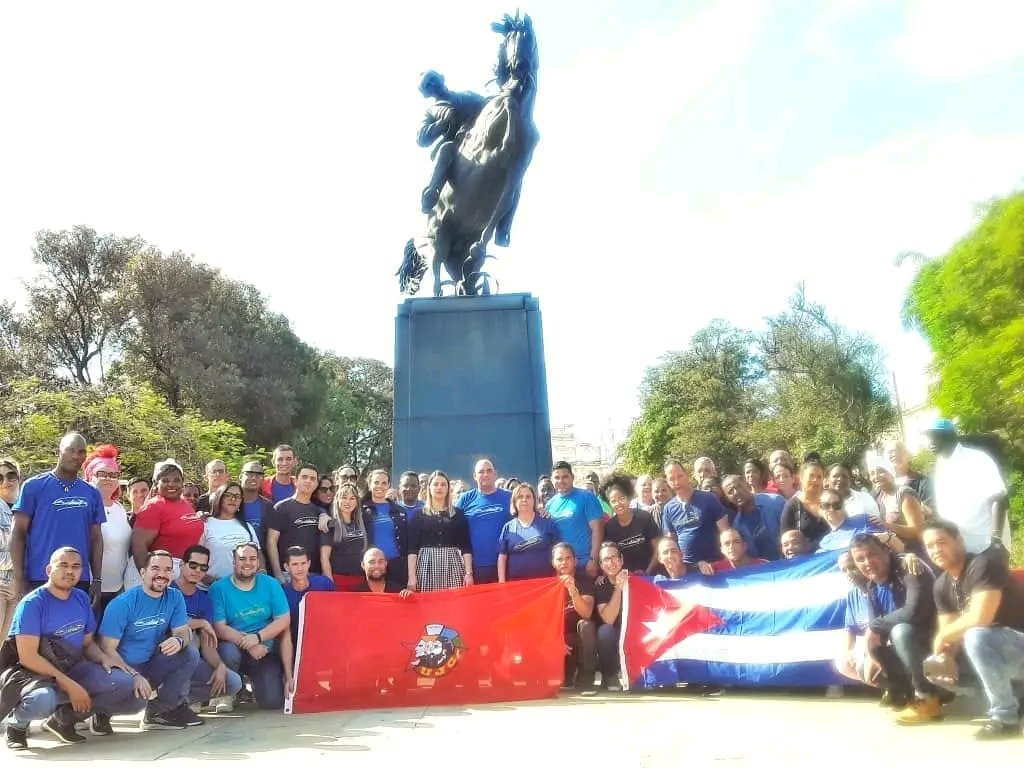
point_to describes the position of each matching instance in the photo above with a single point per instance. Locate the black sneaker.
(997, 729)
(17, 738)
(162, 721)
(185, 714)
(63, 728)
(99, 725)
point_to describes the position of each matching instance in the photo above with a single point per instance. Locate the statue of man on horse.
(482, 148)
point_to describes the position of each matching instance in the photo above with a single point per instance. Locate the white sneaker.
(223, 705)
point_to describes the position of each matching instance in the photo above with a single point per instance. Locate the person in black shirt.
(580, 629)
(375, 569)
(902, 616)
(633, 529)
(294, 524)
(440, 549)
(981, 613)
(608, 597)
(342, 546)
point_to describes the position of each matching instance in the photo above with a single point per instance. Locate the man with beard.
(375, 566)
(57, 612)
(145, 631)
(252, 620)
(58, 509)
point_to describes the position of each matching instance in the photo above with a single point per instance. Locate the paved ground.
(622, 730)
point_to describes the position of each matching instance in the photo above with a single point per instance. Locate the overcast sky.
(696, 161)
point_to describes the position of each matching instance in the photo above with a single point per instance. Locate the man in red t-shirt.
(734, 549)
(282, 485)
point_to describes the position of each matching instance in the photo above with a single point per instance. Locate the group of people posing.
(190, 592)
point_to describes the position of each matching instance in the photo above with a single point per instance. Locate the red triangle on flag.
(655, 621)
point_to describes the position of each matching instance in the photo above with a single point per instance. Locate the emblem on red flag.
(437, 652)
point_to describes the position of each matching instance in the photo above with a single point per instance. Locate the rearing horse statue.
(483, 147)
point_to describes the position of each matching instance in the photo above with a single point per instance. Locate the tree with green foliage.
(71, 313)
(969, 305)
(804, 383)
(34, 415)
(355, 425)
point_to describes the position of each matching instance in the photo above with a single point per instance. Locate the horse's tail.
(412, 270)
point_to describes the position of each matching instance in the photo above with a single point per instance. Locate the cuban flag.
(779, 624)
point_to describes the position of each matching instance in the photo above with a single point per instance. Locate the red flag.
(492, 642)
(654, 621)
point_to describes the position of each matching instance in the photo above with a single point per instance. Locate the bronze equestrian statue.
(482, 148)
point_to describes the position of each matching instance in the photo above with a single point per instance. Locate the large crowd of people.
(147, 595)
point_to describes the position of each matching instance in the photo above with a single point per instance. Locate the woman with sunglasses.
(10, 484)
(342, 546)
(323, 497)
(843, 527)
(103, 472)
(225, 529)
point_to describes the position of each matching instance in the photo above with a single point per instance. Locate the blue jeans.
(902, 660)
(111, 693)
(199, 689)
(996, 655)
(267, 674)
(171, 677)
(608, 653)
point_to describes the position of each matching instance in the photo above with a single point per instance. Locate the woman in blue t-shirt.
(386, 524)
(525, 541)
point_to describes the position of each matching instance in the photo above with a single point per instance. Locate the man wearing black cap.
(969, 489)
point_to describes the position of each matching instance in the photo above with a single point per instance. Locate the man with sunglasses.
(212, 681)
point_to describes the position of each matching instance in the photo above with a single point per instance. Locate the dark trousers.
(608, 653)
(902, 661)
(581, 663)
(485, 574)
(267, 674)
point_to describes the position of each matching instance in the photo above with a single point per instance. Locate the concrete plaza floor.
(664, 729)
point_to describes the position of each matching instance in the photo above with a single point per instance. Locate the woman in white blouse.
(103, 471)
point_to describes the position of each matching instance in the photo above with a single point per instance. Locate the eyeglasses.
(233, 495)
(10, 477)
(347, 477)
(197, 566)
(831, 505)
(101, 475)
(327, 489)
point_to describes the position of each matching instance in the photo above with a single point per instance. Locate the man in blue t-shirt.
(300, 581)
(255, 507)
(693, 518)
(212, 678)
(251, 618)
(145, 630)
(409, 494)
(579, 518)
(57, 509)
(758, 517)
(487, 510)
(90, 680)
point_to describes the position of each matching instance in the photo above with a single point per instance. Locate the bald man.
(58, 509)
(375, 568)
(487, 510)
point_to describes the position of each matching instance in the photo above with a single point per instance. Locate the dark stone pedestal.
(470, 383)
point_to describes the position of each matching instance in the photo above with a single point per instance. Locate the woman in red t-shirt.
(166, 521)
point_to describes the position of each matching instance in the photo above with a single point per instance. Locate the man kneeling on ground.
(53, 631)
(981, 621)
(252, 620)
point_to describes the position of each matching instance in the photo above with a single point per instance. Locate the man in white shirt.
(969, 489)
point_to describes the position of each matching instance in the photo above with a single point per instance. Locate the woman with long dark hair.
(225, 530)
